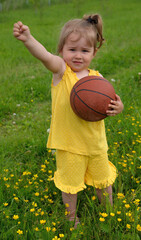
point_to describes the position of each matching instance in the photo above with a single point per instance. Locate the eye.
(85, 50)
(72, 49)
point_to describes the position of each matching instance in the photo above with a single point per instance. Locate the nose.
(78, 55)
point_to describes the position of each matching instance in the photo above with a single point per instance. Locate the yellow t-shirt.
(69, 132)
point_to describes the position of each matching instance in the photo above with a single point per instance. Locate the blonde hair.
(90, 27)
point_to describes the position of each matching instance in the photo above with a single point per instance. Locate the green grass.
(25, 113)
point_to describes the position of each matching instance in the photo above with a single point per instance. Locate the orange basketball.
(90, 97)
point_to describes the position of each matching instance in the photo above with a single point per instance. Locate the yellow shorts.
(74, 171)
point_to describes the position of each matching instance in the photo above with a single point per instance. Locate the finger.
(16, 34)
(113, 102)
(20, 23)
(118, 97)
(24, 28)
(112, 113)
(111, 106)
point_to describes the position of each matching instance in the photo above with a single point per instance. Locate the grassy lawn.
(30, 205)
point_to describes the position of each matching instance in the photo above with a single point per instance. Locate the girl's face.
(77, 53)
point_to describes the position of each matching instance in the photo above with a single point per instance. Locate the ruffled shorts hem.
(105, 183)
(100, 185)
(69, 189)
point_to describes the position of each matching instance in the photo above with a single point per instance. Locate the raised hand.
(21, 32)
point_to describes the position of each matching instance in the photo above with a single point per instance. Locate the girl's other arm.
(54, 63)
(116, 107)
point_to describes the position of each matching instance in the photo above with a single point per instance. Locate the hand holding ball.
(90, 98)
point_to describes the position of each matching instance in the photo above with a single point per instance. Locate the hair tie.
(92, 21)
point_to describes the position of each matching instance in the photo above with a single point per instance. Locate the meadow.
(30, 204)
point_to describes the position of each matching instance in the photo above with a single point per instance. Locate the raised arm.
(52, 62)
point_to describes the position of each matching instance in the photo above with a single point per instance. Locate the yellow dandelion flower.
(42, 213)
(42, 221)
(5, 204)
(67, 212)
(16, 199)
(136, 201)
(101, 219)
(119, 219)
(53, 223)
(43, 166)
(26, 173)
(36, 229)
(67, 205)
(36, 175)
(118, 212)
(32, 209)
(55, 238)
(93, 198)
(15, 217)
(129, 214)
(36, 194)
(104, 214)
(128, 226)
(50, 200)
(34, 204)
(20, 232)
(5, 179)
(48, 229)
(43, 170)
(46, 162)
(127, 206)
(112, 214)
(139, 227)
(120, 195)
(61, 235)
(54, 229)
(71, 229)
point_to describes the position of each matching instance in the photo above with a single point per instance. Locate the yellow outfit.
(71, 135)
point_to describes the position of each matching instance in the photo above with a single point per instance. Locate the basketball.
(90, 97)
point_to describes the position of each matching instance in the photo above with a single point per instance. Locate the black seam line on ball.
(98, 78)
(89, 106)
(88, 90)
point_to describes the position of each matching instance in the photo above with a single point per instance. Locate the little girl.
(81, 146)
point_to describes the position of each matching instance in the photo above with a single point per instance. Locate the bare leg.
(70, 201)
(100, 194)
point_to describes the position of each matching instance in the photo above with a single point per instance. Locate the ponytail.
(96, 22)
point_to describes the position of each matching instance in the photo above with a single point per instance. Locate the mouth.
(77, 62)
